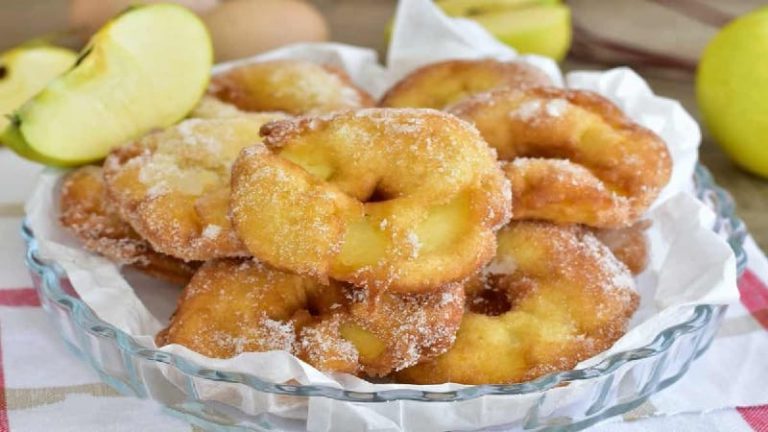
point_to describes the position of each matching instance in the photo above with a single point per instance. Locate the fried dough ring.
(552, 297)
(234, 306)
(86, 211)
(402, 199)
(575, 157)
(291, 86)
(172, 186)
(441, 84)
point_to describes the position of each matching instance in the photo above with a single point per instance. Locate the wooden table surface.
(641, 22)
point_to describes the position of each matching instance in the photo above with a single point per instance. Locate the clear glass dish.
(618, 384)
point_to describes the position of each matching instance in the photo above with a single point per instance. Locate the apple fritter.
(438, 85)
(172, 186)
(402, 199)
(552, 297)
(235, 306)
(86, 211)
(574, 157)
(290, 86)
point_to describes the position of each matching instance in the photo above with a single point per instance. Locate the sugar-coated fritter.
(235, 306)
(86, 211)
(172, 186)
(290, 86)
(552, 297)
(574, 157)
(402, 199)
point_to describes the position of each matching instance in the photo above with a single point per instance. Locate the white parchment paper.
(689, 265)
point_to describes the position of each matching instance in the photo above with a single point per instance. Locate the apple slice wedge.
(470, 8)
(145, 69)
(542, 29)
(25, 70)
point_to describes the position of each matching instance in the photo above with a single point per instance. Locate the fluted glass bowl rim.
(86, 320)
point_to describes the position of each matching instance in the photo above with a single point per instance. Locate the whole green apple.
(732, 90)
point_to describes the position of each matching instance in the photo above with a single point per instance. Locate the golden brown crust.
(291, 86)
(402, 199)
(236, 306)
(172, 186)
(575, 157)
(558, 296)
(629, 245)
(438, 85)
(86, 211)
(413, 328)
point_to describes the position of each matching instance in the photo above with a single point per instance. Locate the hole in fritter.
(490, 302)
(313, 309)
(379, 195)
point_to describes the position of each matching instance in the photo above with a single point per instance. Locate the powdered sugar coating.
(211, 231)
(527, 111)
(556, 107)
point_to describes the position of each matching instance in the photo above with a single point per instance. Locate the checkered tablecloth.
(44, 387)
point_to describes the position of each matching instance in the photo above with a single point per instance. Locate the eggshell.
(240, 28)
(87, 16)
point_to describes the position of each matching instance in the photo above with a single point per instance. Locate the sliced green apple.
(25, 70)
(544, 30)
(470, 8)
(145, 69)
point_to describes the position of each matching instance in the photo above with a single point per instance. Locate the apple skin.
(732, 90)
(144, 70)
(544, 29)
(529, 26)
(468, 8)
(13, 139)
(26, 70)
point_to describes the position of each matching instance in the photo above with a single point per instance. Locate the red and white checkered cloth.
(44, 387)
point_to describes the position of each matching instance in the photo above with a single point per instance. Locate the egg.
(87, 16)
(240, 28)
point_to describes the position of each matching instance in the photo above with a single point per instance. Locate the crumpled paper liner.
(689, 264)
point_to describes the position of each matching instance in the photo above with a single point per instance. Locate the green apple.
(543, 29)
(470, 8)
(145, 69)
(530, 26)
(25, 70)
(732, 90)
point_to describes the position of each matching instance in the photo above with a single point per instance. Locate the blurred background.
(662, 39)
